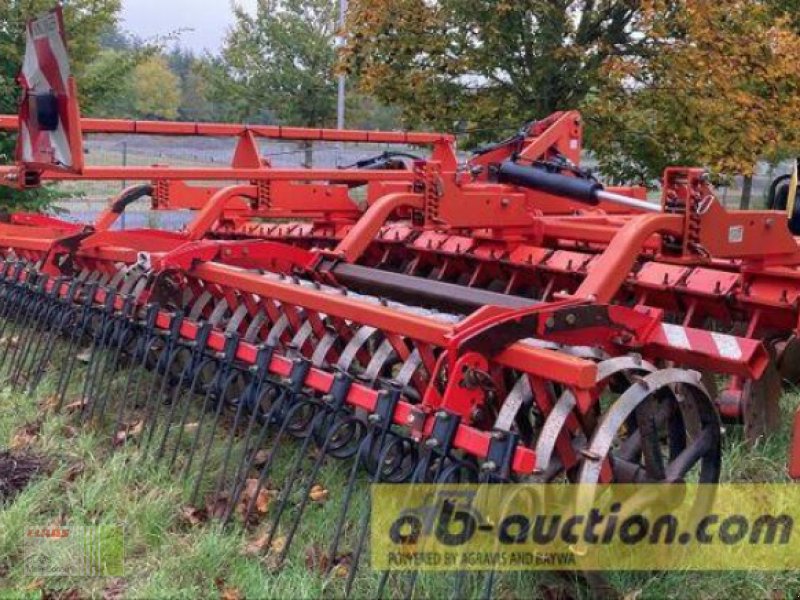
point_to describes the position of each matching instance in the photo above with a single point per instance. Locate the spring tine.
(226, 376)
(178, 391)
(27, 304)
(250, 397)
(96, 357)
(380, 422)
(41, 310)
(78, 333)
(144, 341)
(153, 399)
(119, 334)
(299, 403)
(284, 408)
(59, 313)
(334, 406)
(197, 363)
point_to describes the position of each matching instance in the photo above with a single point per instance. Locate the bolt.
(505, 202)
(410, 419)
(489, 465)
(431, 442)
(443, 415)
(498, 435)
(373, 418)
(550, 323)
(571, 319)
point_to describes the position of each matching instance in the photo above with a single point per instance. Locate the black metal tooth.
(248, 400)
(76, 335)
(96, 357)
(159, 382)
(218, 391)
(198, 360)
(145, 337)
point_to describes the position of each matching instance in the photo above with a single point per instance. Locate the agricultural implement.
(500, 319)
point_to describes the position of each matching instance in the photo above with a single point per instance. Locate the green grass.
(166, 556)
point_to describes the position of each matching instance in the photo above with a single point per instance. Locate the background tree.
(720, 87)
(156, 90)
(279, 63)
(86, 20)
(484, 61)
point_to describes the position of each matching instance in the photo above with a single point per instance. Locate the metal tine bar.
(26, 308)
(27, 338)
(380, 423)
(76, 335)
(144, 341)
(60, 325)
(42, 310)
(225, 360)
(123, 323)
(96, 357)
(334, 403)
(163, 362)
(281, 412)
(54, 323)
(438, 446)
(295, 405)
(249, 398)
(197, 363)
(220, 400)
(267, 420)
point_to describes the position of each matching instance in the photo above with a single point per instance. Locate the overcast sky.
(208, 20)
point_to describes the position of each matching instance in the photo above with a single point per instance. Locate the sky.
(206, 21)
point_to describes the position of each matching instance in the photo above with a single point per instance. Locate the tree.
(484, 61)
(85, 20)
(279, 63)
(156, 90)
(719, 88)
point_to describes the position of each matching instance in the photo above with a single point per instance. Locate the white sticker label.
(736, 234)
(676, 336)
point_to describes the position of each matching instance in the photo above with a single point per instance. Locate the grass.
(168, 555)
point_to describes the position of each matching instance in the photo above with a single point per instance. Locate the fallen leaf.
(318, 494)
(230, 593)
(257, 546)
(190, 427)
(76, 405)
(218, 507)
(69, 432)
(75, 470)
(129, 431)
(317, 559)
(261, 457)
(50, 403)
(26, 436)
(194, 515)
(341, 570)
(262, 497)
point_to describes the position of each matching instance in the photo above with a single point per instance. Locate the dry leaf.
(193, 515)
(317, 559)
(218, 508)
(115, 590)
(26, 436)
(341, 570)
(76, 405)
(69, 432)
(36, 584)
(248, 493)
(190, 427)
(74, 471)
(261, 457)
(318, 494)
(257, 546)
(231, 593)
(129, 431)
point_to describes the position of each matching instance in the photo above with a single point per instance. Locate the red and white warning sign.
(49, 133)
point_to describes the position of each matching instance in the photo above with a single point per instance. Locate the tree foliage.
(86, 20)
(483, 61)
(660, 81)
(279, 63)
(720, 87)
(156, 90)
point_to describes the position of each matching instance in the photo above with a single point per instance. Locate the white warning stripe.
(25, 137)
(727, 345)
(676, 336)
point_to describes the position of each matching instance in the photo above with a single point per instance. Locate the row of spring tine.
(33, 315)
